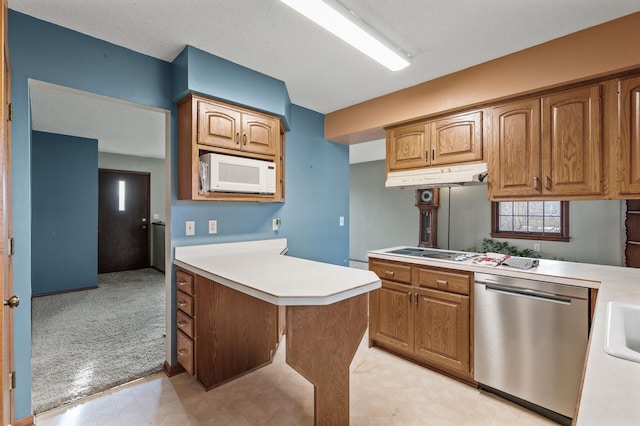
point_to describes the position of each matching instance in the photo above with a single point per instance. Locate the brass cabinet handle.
(433, 155)
(238, 138)
(389, 273)
(426, 155)
(244, 139)
(182, 303)
(547, 182)
(442, 283)
(410, 298)
(182, 352)
(416, 299)
(182, 283)
(536, 183)
(182, 324)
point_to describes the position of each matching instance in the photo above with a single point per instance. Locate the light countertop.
(260, 269)
(611, 388)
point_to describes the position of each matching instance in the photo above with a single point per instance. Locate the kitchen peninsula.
(326, 314)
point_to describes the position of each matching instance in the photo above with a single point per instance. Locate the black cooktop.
(434, 254)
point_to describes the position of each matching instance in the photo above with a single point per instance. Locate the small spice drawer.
(184, 282)
(184, 302)
(391, 271)
(184, 349)
(185, 323)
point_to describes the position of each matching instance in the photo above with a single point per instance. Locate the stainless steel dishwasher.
(530, 341)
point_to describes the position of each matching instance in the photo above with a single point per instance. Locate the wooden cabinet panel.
(629, 137)
(218, 125)
(572, 142)
(391, 271)
(392, 314)
(457, 139)
(514, 166)
(260, 134)
(453, 281)
(442, 329)
(234, 333)
(408, 147)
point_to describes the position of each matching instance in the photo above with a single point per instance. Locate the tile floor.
(385, 390)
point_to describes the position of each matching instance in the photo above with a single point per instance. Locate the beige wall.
(594, 52)
(384, 217)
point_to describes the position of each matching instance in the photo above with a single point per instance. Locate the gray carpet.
(89, 341)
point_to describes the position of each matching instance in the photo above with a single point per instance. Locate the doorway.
(123, 220)
(64, 111)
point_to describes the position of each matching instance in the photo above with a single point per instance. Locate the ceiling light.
(332, 20)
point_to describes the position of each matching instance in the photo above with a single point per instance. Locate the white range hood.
(433, 177)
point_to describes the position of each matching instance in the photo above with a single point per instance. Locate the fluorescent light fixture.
(337, 23)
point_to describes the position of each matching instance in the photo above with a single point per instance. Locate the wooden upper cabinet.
(408, 147)
(572, 142)
(628, 154)
(448, 140)
(210, 126)
(514, 166)
(456, 139)
(224, 127)
(260, 134)
(547, 147)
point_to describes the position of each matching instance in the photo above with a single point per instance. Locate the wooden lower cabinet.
(222, 333)
(428, 319)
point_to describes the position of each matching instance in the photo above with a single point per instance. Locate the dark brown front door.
(123, 221)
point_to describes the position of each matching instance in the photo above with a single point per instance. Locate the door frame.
(6, 272)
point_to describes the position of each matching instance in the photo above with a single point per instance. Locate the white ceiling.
(321, 72)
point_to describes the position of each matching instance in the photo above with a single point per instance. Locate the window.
(531, 220)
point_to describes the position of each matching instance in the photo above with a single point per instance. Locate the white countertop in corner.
(262, 270)
(610, 393)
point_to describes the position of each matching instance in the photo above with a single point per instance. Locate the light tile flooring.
(385, 390)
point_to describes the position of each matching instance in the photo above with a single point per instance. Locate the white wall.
(384, 217)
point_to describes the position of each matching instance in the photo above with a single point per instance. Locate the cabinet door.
(572, 147)
(442, 330)
(514, 166)
(218, 125)
(391, 315)
(456, 139)
(629, 141)
(408, 147)
(260, 134)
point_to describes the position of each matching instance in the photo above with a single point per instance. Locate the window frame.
(563, 236)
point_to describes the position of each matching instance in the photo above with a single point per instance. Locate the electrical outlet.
(190, 228)
(536, 247)
(341, 220)
(213, 226)
(276, 224)
(156, 216)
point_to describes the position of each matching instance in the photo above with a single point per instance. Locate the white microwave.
(227, 173)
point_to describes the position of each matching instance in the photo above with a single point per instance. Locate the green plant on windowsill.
(492, 246)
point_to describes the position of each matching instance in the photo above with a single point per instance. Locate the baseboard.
(172, 370)
(26, 421)
(64, 291)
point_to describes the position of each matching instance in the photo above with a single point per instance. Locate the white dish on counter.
(622, 335)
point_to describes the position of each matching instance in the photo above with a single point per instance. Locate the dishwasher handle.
(528, 293)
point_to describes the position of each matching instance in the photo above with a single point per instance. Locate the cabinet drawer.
(185, 323)
(184, 348)
(184, 302)
(184, 282)
(455, 282)
(392, 271)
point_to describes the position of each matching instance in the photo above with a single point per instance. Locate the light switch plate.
(276, 224)
(156, 216)
(213, 226)
(190, 228)
(341, 220)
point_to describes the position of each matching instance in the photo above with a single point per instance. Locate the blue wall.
(64, 213)
(316, 171)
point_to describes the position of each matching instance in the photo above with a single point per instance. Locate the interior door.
(123, 220)
(6, 325)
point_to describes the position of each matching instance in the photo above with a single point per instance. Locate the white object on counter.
(259, 269)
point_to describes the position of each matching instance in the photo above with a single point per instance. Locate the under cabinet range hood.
(433, 177)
